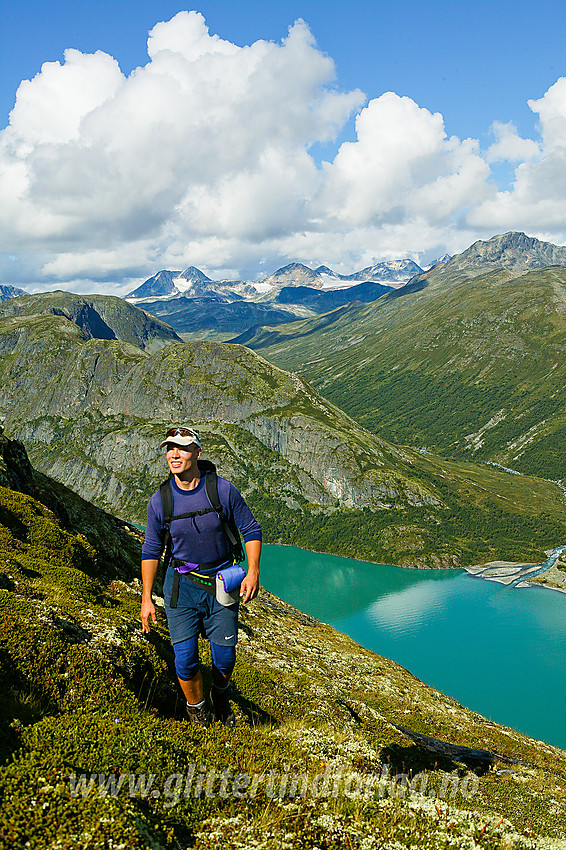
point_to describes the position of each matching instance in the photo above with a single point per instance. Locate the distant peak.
(513, 250)
(7, 292)
(192, 273)
(292, 267)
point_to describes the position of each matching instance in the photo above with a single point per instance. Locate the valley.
(418, 429)
(90, 717)
(468, 362)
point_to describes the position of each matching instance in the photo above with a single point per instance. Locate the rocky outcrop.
(15, 469)
(514, 251)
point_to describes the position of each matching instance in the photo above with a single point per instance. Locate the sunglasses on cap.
(182, 432)
(186, 435)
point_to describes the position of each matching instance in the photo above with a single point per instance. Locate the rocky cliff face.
(93, 412)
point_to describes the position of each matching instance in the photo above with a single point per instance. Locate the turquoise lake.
(497, 650)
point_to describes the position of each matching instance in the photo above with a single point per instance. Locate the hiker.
(201, 546)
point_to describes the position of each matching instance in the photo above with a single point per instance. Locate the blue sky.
(474, 63)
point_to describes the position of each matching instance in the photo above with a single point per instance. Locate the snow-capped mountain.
(167, 283)
(393, 272)
(193, 283)
(440, 261)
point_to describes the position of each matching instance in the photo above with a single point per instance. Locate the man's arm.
(250, 585)
(148, 571)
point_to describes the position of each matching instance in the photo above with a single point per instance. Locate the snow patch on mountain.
(182, 284)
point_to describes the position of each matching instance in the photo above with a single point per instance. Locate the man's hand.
(148, 571)
(147, 611)
(250, 586)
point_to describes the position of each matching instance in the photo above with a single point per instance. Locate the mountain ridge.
(97, 317)
(513, 250)
(189, 299)
(291, 285)
(162, 284)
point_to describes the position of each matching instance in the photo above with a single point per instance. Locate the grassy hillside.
(335, 746)
(470, 367)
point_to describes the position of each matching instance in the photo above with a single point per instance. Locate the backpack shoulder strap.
(211, 487)
(228, 524)
(167, 504)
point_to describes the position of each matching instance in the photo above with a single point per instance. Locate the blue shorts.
(195, 607)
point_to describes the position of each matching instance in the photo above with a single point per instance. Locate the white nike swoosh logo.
(227, 637)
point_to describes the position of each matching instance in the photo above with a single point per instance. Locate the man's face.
(182, 458)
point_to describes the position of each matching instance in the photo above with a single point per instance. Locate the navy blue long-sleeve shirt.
(202, 538)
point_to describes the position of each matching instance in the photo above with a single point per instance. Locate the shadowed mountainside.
(97, 316)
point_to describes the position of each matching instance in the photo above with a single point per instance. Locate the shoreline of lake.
(551, 579)
(546, 575)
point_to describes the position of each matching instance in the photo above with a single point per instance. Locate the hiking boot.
(199, 715)
(221, 706)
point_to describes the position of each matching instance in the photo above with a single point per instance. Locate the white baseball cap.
(181, 436)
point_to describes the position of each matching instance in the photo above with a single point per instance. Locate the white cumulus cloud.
(536, 202)
(402, 166)
(509, 146)
(204, 156)
(207, 139)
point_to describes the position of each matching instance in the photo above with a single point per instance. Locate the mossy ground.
(85, 694)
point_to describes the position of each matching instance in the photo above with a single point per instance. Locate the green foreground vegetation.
(88, 701)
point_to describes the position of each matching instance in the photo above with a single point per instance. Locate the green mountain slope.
(334, 746)
(92, 413)
(471, 365)
(97, 316)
